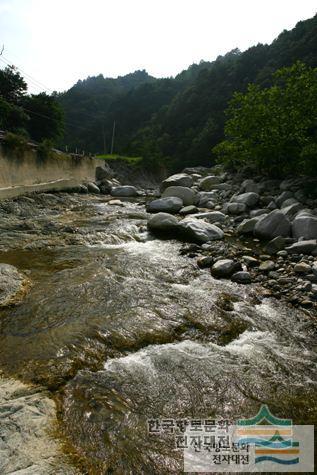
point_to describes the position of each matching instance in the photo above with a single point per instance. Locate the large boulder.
(305, 226)
(163, 223)
(272, 225)
(207, 183)
(171, 204)
(250, 199)
(13, 285)
(125, 191)
(225, 268)
(180, 179)
(186, 194)
(196, 230)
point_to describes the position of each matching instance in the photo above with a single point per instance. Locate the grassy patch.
(129, 160)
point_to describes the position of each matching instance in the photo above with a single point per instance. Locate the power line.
(40, 85)
(37, 84)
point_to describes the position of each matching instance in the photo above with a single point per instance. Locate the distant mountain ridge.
(179, 119)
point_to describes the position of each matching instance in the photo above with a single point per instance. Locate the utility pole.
(104, 140)
(113, 132)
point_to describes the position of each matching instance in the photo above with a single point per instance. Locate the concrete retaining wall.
(26, 172)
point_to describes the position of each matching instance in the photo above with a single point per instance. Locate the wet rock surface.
(26, 446)
(13, 285)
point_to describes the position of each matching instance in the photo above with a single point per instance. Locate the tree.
(12, 85)
(12, 89)
(273, 130)
(46, 117)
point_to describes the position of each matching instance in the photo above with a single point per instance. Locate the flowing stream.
(121, 328)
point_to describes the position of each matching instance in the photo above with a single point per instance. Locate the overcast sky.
(58, 42)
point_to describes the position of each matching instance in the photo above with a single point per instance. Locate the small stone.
(267, 266)
(302, 268)
(282, 253)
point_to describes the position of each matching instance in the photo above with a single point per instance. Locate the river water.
(122, 328)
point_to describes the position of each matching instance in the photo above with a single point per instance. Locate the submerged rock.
(13, 285)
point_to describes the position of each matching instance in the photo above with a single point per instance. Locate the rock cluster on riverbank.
(252, 231)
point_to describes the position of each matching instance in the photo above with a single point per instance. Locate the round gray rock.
(305, 226)
(163, 222)
(224, 268)
(250, 199)
(171, 204)
(125, 191)
(180, 179)
(206, 184)
(186, 194)
(272, 225)
(199, 231)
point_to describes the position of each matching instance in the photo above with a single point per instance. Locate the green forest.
(255, 109)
